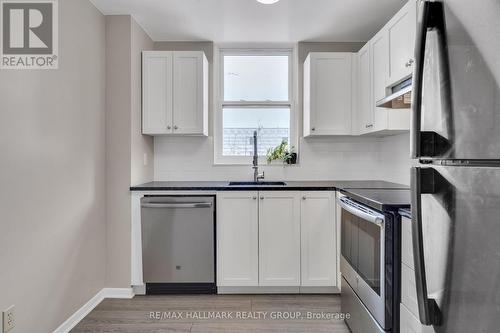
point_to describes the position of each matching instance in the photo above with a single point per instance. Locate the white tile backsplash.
(339, 158)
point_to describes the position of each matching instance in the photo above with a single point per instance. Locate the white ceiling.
(251, 22)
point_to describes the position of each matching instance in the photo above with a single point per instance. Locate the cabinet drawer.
(409, 289)
(406, 242)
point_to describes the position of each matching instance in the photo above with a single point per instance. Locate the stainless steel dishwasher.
(178, 244)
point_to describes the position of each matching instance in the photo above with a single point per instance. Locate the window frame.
(219, 158)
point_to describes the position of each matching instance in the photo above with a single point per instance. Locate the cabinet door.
(318, 239)
(237, 239)
(190, 97)
(402, 29)
(380, 76)
(156, 92)
(279, 238)
(328, 100)
(410, 324)
(409, 289)
(365, 105)
(406, 242)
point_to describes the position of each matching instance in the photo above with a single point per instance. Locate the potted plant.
(282, 152)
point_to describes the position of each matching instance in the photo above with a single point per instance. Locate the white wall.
(52, 177)
(125, 145)
(396, 151)
(118, 148)
(141, 145)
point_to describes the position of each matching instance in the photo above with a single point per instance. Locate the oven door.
(362, 259)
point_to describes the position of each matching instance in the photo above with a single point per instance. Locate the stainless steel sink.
(257, 184)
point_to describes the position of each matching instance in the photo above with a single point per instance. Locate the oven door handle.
(372, 217)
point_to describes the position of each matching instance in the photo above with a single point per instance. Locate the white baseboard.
(277, 290)
(319, 290)
(81, 313)
(126, 293)
(139, 290)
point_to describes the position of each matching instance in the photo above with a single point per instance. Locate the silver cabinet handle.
(313, 129)
(169, 127)
(261, 198)
(176, 127)
(369, 126)
(428, 309)
(304, 198)
(254, 198)
(177, 205)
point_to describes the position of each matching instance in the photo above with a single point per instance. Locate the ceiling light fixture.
(268, 2)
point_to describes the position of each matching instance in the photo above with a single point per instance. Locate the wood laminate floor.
(204, 314)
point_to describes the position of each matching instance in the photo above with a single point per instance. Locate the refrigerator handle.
(416, 118)
(431, 16)
(428, 310)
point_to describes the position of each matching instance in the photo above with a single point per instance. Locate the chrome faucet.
(256, 175)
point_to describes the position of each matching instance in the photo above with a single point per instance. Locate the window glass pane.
(256, 78)
(272, 126)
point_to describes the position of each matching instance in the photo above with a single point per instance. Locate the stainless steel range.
(369, 263)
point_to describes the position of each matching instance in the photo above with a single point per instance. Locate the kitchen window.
(255, 95)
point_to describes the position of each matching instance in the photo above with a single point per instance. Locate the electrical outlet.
(9, 319)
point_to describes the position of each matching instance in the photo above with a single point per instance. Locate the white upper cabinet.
(384, 61)
(380, 65)
(328, 93)
(318, 239)
(175, 93)
(389, 121)
(401, 30)
(157, 92)
(190, 93)
(365, 106)
(279, 238)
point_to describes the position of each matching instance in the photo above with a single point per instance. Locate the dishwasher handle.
(177, 205)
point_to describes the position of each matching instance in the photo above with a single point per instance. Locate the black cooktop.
(381, 199)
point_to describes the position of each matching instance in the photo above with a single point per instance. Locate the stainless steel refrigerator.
(456, 183)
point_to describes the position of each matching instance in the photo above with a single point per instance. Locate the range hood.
(400, 98)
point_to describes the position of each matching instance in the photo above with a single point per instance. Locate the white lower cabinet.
(409, 322)
(276, 239)
(318, 239)
(279, 238)
(237, 239)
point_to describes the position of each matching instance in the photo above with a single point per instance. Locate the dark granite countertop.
(290, 186)
(381, 199)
